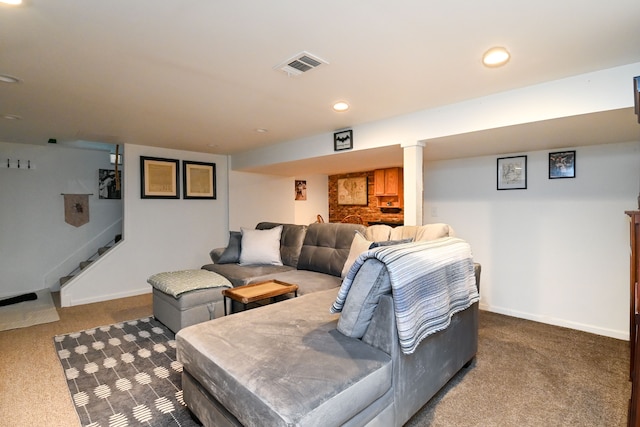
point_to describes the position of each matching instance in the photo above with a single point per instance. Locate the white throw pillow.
(358, 245)
(261, 246)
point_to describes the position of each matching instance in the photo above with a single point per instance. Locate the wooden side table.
(258, 291)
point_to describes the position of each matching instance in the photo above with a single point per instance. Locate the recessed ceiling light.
(11, 117)
(8, 79)
(340, 106)
(12, 2)
(496, 57)
(262, 130)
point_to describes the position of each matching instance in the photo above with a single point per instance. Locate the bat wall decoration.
(343, 140)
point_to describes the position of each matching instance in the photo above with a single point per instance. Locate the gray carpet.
(532, 374)
(525, 374)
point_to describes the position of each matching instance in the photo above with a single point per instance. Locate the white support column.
(413, 182)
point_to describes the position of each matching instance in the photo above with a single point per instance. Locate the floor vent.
(300, 63)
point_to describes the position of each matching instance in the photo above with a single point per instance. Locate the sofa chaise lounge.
(296, 363)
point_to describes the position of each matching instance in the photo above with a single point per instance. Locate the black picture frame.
(512, 173)
(562, 164)
(198, 180)
(109, 184)
(343, 140)
(159, 178)
(636, 96)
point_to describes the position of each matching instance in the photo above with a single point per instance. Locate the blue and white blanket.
(430, 282)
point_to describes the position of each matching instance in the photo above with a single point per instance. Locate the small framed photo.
(301, 189)
(512, 173)
(109, 184)
(562, 164)
(198, 180)
(159, 178)
(343, 140)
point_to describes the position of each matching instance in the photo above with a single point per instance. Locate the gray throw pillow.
(368, 285)
(231, 254)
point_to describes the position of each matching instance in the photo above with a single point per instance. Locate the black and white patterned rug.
(125, 374)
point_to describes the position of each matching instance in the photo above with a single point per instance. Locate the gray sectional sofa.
(312, 257)
(296, 363)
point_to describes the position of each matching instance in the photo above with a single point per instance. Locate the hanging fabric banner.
(76, 209)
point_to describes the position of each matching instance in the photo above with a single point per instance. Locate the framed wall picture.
(352, 191)
(343, 140)
(512, 173)
(159, 178)
(636, 96)
(300, 189)
(109, 184)
(198, 180)
(562, 164)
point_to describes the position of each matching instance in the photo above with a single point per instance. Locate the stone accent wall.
(369, 213)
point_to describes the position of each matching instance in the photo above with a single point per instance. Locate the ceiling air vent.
(300, 63)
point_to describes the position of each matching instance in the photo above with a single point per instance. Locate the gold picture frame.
(198, 180)
(159, 178)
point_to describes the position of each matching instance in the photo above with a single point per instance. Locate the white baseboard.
(612, 333)
(100, 298)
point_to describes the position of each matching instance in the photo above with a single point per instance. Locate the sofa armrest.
(215, 254)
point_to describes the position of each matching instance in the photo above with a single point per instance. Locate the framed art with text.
(159, 178)
(198, 180)
(512, 173)
(562, 164)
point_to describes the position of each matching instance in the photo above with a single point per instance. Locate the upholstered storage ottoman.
(184, 298)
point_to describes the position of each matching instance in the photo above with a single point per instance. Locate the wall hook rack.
(17, 164)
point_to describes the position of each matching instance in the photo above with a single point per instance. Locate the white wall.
(317, 203)
(557, 252)
(37, 246)
(254, 198)
(159, 235)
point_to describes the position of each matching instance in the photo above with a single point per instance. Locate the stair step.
(85, 264)
(65, 279)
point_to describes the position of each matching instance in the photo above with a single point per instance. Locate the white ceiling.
(199, 74)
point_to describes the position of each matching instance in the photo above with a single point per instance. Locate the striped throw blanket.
(430, 282)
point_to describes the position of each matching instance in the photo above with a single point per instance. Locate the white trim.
(621, 335)
(106, 297)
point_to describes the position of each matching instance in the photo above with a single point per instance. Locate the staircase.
(92, 258)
